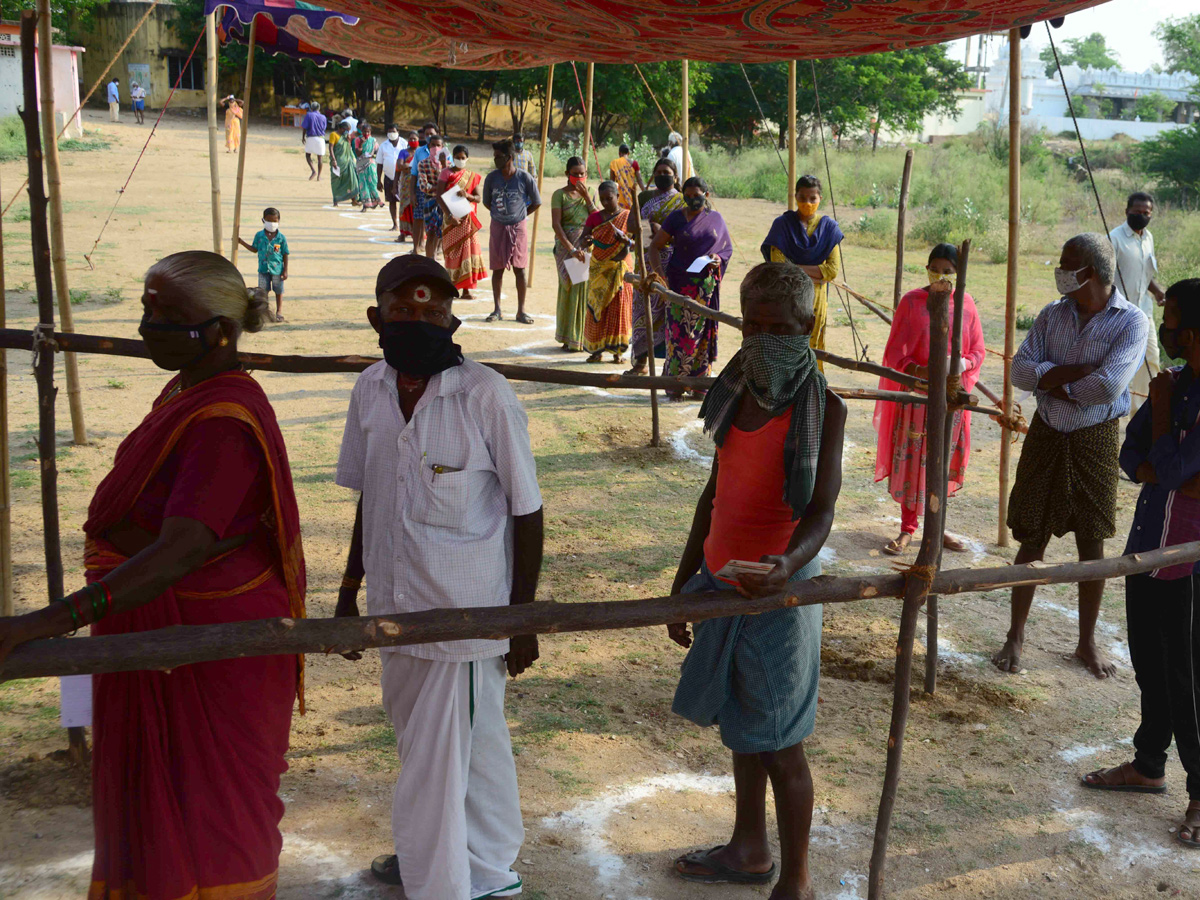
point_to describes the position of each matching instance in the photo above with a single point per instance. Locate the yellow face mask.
(807, 210)
(935, 277)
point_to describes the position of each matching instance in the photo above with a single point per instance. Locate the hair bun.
(258, 310)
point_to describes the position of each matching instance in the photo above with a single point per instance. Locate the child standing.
(272, 249)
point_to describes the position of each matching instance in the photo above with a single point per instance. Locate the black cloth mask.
(174, 347)
(664, 182)
(695, 204)
(419, 348)
(1137, 221)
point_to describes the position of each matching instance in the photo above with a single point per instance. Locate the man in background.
(523, 158)
(419, 156)
(313, 129)
(1136, 268)
(114, 100)
(510, 194)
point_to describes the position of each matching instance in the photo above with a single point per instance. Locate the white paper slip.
(76, 701)
(578, 270)
(701, 263)
(335, 171)
(736, 567)
(459, 205)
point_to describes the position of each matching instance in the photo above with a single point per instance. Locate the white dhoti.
(314, 145)
(456, 813)
(1147, 370)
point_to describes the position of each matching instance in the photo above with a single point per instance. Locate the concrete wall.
(65, 78)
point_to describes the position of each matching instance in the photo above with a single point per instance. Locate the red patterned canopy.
(507, 34)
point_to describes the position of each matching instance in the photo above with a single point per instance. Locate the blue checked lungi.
(754, 676)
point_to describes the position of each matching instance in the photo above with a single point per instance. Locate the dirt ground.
(613, 786)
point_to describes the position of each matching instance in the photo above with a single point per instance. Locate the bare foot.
(1008, 658)
(792, 892)
(312, 176)
(1097, 663)
(953, 543)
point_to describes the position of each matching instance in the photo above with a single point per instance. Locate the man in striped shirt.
(1078, 358)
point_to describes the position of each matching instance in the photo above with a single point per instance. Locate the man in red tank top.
(770, 499)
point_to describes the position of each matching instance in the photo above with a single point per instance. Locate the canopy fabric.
(510, 34)
(271, 32)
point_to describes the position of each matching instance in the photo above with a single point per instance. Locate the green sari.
(368, 180)
(572, 298)
(345, 183)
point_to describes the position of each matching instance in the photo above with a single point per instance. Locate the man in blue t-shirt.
(510, 195)
(312, 127)
(114, 100)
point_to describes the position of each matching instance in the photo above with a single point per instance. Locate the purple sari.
(789, 235)
(692, 339)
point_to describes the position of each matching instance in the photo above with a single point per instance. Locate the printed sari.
(691, 338)
(655, 209)
(404, 192)
(460, 246)
(622, 171)
(428, 172)
(233, 127)
(186, 763)
(572, 298)
(368, 179)
(609, 319)
(345, 183)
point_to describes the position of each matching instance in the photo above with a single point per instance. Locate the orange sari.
(186, 763)
(464, 258)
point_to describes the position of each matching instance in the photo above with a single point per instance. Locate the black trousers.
(1164, 644)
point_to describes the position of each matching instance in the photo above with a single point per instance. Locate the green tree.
(1180, 40)
(1174, 156)
(1089, 52)
(522, 86)
(620, 100)
(1153, 107)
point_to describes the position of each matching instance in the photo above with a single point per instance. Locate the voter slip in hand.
(700, 264)
(735, 567)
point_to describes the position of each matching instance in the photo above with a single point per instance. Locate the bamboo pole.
(169, 648)
(43, 353)
(901, 216)
(791, 190)
(6, 569)
(931, 605)
(537, 213)
(58, 249)
(640, 255)
(241, 168)
(918, 582)
(214, 147)
(587, 116)
(687, 126)
(1014, 243)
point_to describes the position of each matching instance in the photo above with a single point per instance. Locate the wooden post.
(918, 582)
(900, 226)
(58, 250)
(791, 185)
(587, 117)
(6, 570)
(931, 605)
(214, 146)
(237, 194)
(640, 256)
(686, 116)
(43, 353)
(537, 213)
(1014, 244)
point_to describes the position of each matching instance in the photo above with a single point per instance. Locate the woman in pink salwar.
(900, 457)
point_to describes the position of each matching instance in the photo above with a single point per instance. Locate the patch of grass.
(567, 780)
(116, 384)
(23, 478)
(85, 144)
(113, 295)
(79, 295)
(1025, 321)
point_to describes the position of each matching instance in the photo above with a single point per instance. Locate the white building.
(66, 62)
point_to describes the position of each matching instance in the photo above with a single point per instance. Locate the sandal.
(719, 873)
(897, 545)
(386, 868)
(524, 318)
(596, 357)
(495, 316)
(1124, 785)
(638, 367)
(1193, 838)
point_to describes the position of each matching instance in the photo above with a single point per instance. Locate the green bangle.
(71, 607)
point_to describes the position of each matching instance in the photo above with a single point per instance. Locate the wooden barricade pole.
(587, 118)
(901, 215)
(918, 582)
(791, 185)
(6, 570)
(931, 605)
(58, 250)
(241, 172)
(537, 213)
(640, 256)
(687, 127)
(1010, 293)
(43, 349)
(214, 160)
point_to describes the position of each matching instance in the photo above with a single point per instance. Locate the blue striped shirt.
(1113, 340)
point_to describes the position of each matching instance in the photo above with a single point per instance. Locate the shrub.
(875, 229)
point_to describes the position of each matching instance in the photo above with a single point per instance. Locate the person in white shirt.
(1136, 268)
(348, 116)
(675, 154)
(449, 517)
(386, 158)
(137, 94)
(113, 90)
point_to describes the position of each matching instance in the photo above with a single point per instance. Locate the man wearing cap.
(449, 517)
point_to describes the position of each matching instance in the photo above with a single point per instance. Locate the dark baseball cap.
(411, 267)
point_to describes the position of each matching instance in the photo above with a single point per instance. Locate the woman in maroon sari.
(196, 524)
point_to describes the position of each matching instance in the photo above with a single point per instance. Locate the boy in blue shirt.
(272, 249)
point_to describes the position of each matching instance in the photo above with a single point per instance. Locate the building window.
(287, 84)
(189, 77)
(457, 96)
(8, 51)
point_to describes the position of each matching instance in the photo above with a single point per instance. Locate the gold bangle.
(353, 583)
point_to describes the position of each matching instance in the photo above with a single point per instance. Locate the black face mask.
(664, 182)
(695, 204)
(174, 347)
(1137, 221)
(419, 348)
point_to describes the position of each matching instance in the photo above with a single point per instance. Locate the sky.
(1128, 25)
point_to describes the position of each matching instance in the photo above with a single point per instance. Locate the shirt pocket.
(442, 498)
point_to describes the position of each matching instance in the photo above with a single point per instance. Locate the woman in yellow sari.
(626, 174)
(233, 125)
(608, 321)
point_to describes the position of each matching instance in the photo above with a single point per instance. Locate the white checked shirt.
(1136, 265)
(1113, 340)
(439, 541)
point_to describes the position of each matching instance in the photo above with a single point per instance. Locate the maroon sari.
(186, 763)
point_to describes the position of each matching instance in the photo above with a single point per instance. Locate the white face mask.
(272, 227)
(1067, 281)
(458, 163)
(393, 136)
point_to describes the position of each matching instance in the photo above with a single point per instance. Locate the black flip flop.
(386, 868)
(525, 318)
(720, 873)
(494, 317)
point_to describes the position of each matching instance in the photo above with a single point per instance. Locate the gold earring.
(224, 341)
